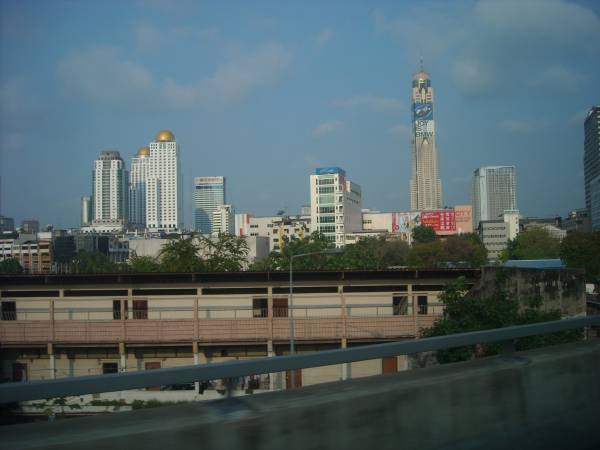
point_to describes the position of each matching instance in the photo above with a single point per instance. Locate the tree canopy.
(423, 234)
(10, 265)
(535, 243)
(465, 250)
(464, 313)
(582, 250)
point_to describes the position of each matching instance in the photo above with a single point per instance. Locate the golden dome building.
(164, 195)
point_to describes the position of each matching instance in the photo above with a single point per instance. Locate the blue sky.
(264, 92)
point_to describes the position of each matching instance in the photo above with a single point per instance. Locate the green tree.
(423, 234)
(313, 243)
(95, 262)
(456, 251)
(144, 264)
(465, 313)
(427, 254)
(582, 250)
(535, 243)
(180, 254)
(10, 265)
(227, 253)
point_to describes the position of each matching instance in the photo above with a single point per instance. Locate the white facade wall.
(209, 195)
(276, 228)
(494, 191)
(109, 189)
(223, 220)
(137, 190)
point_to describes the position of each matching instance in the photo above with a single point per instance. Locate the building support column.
(271, 354)
(196, 360)
(52, 357)
(345, 366)
(123, 355)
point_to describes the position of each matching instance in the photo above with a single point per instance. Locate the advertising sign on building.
(405, 222)
(443, 220)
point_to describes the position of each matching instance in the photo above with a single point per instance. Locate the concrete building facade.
(164, 195)
(278, 228)
(591, 152)
(223, 220)
(109, 190)
(425, 184)
(209, 195)
(494, 191)
(495, 236)
(86, 211)
(595, 203)
(138, 177)
(336, 204)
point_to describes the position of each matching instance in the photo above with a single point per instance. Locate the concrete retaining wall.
(546, 398)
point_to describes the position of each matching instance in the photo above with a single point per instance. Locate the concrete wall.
(562, 289)
(540, 399)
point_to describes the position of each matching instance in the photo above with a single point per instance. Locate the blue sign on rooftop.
(329, 170)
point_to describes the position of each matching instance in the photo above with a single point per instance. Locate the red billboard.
(441, 221)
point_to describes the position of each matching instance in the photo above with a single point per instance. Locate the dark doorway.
(389, 364)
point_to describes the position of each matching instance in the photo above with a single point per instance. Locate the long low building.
(68, 325)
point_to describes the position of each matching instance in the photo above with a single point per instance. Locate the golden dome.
(421, 75)
(165, 136)
(143, 151)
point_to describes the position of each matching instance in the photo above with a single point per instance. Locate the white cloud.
(327, 127)
(104, 75)
(323, 38)
(516, 126)
(491, 45)
(371, 102)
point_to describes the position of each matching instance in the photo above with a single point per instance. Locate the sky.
(264, 92)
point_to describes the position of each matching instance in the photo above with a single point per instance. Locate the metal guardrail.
(63, 387)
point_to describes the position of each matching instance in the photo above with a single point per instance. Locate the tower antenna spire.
(421, 61)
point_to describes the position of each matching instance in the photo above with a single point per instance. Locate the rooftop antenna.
(421, 61)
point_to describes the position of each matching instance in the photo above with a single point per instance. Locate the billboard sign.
(422, 111)
(405, 222)
(441, 221)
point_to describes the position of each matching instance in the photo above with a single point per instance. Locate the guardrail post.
(345, 366)
(196, 356)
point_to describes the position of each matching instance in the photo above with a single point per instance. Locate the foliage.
(95, 262)
(10, 265)
(373, 253)
(582, 250)
(144, 264)
(464, 313)
(227, 253)
(423, 234)
(465, 250)
(180, 254)
(535, 243)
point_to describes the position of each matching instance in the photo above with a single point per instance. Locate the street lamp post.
(328, 251)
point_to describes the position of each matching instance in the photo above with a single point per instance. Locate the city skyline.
(345, 80)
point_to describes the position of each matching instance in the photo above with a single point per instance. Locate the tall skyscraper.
(494, 192)
(86, 210)
(335, 204)
(137, 188)
(591, 152)
(209, 195)
(109, 190)
(425, 185)
(223, 220)
(164, 195)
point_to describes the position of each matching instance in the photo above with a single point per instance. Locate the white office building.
(223, 220)
(209, 195)
(109, 190)
(335, 204)
(137, 188)
(164, 195)
(277, 229)
(494, 191)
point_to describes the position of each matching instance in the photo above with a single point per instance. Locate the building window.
(9, 311)
(140, 309)
(422, 302)
(259, 307)
(400, 305)
(110, 367)
(117, 309)
(280, 307)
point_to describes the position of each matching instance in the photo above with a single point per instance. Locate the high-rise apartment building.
(164, 195)
(137, 188)
(591, 152)
(595, 203)
(425, 184)
(335, 204)
(86, 211)
(494, 191)
(209, 195)
(223, 220)
(109, 190)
